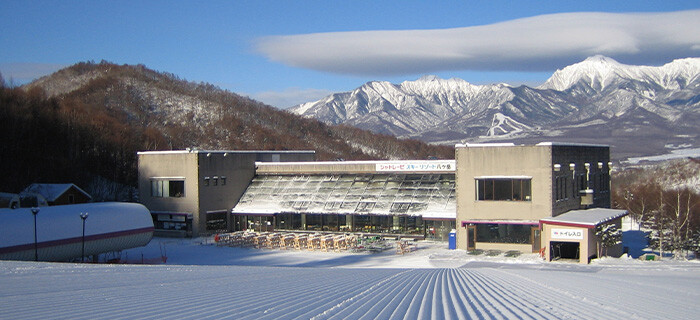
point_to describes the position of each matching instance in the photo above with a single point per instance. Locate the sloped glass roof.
(426, 195)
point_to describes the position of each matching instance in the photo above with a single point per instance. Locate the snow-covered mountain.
(597, 100)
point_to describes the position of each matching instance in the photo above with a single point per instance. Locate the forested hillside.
(665, 198)
(89, 120)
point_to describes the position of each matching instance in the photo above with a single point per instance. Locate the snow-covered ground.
(201, 280)
(675, 154)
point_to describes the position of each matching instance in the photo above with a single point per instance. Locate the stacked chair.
(287, 241)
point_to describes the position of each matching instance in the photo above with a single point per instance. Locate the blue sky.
(288, 52)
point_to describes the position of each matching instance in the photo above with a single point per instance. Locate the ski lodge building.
(190, 192)
(544, 198)
(496, 196)
(390, 198)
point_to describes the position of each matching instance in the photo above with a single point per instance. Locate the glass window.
(503, 233)
(167, 188)
(503, 189)
(314, 222)
(157, 188)
(176, 188)
(216, 221)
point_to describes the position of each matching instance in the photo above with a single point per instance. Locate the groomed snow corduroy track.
(477, 290)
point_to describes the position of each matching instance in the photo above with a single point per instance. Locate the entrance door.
(535, 238)
(564, 250)
(471, 237)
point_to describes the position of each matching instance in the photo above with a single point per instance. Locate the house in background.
(9, 200)
(58, 193)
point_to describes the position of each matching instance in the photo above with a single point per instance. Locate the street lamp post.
(83, 216)
(35, 211)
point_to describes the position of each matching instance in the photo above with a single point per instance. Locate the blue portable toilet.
(453, 240)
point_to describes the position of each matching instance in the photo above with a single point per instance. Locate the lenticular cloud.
(541, 43)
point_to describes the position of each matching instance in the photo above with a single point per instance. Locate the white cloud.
(541, 43)
(290, 96)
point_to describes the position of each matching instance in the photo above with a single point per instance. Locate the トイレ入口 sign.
(568, 234)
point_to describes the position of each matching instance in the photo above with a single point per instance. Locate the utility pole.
(35, 211)
(83, 216)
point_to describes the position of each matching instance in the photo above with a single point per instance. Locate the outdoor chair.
(273, 241)
(287, 241)
(313, 243)
(300, 242)
(326, 243)
(340, 243)
(260, 241)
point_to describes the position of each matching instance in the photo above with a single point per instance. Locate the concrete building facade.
(503, 190)
(547, 198)
(190, 192)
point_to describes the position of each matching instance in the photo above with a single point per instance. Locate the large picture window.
(162, 188)
(503, 233)
(503, 189)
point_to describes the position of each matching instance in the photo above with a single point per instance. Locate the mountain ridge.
(616, 100)
(85, 123)
(205, 116)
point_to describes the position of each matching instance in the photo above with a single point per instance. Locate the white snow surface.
(675, 154)
(591, 217)
(203, 281)
(56, 223)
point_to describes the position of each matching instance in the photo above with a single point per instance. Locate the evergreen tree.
(609, 235)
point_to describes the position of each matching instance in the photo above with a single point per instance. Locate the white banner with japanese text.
(417, 166)
(567, 234)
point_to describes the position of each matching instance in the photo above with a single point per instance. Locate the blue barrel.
(453, 240)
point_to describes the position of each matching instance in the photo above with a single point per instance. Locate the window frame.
(510, 233)
(496, 188)
(168, 187)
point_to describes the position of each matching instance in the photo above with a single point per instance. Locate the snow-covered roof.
(588, 217)
(406, 166)
(431, 196)
(498, 221)
(483, 145)
(541, 144)
(570, 144)
(225, 151)
(51, 191)
(58, 223)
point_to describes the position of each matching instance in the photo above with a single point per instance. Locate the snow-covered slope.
(255, 284)
(619, 104)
